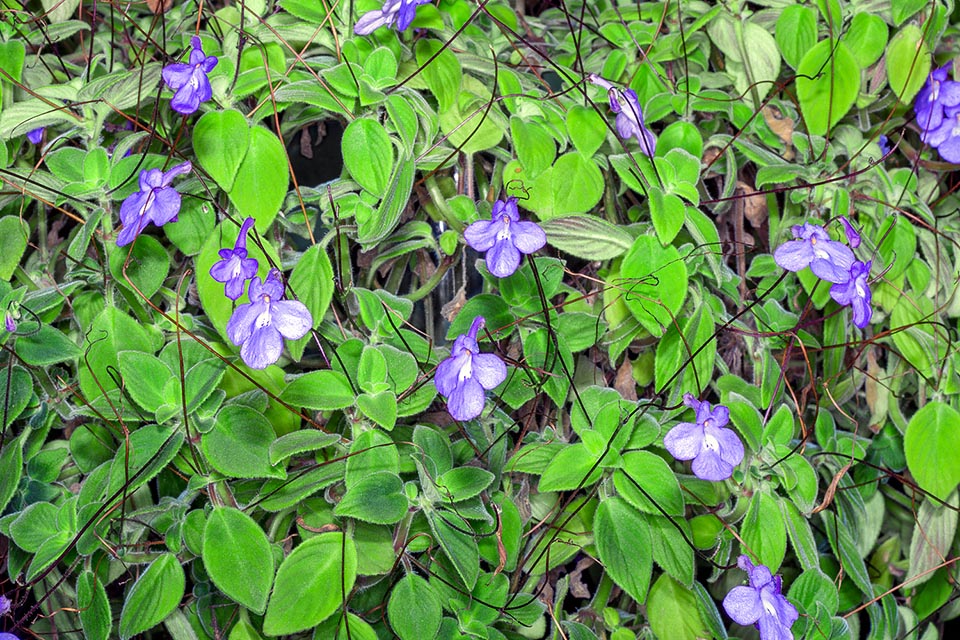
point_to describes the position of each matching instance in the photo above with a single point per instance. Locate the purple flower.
(10, 324)
(884, 143)
(504, 237)
(463, 376)
(714, 449)
(855, 292)
(946, 137)
(8, 636)
(259, 327)
(828, 259)
(4, 605)
(189, 81)
(936, 94)
(761, 603)
(394, 13)
(35, 136)
(853, 236)
(629, 115)
(156, 202)
(234, 267)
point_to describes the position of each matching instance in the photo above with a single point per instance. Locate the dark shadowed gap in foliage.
(315, 153)
(536, 7)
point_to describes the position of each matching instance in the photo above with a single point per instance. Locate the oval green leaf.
(654, 283)
(931, 444)
(220, 140)
(311, 584)
(238, 446)
(623, 544)
(414, 609)
(153, 597)
(237, 555)
(262, 179)
(908, 62)
(826, 87)
(368, 154)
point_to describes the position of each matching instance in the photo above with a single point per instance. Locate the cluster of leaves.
(153, 485)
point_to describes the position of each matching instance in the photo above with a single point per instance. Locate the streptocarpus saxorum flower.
(761, 603)
(828, 259)
(884, 143)
(937, 94)
(234, 267)
(714, 449)
(189, 80)
(629, 115)
(394, 13)
(10, 324)
(259, 327)
(462, 377)
(157, 202)
(946, 137)
(35, 136)
(4, 605)
(853, 236)
(504, 237)
(855, 292)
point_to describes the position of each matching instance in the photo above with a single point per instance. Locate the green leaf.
(646, 474)
(623, 544)
(414, 609)
(46, 347)
(220, 140)
(828, 82)
(303, 441)
(933, 533)
(12, 55)
(17, 387)
(681, 135)
(262, 179)
(11, 468)
(13, 242)
(670, 609)
(194, 224)
(796, 33)
(238, 557)
(144, 377)
(311, 584)
(908, 63)
(845, 549)
(324, 390)
(377, 498)
(34, 525)
(368, 154)
(375, 226)
(901, 10)
(572, 467)
(654, 283)
(238, 446)
(866, 37)
(312, 280)
(813, 587)
(587, 237)
(587, 130)
(463, 483)
(370, 452)
(148, 451)
(930, 444)
(453, 535)
(95, 616)
(154, 596)
(147, 267)
(667, 213)
(535, 147)
(442, 75)
(764, 532)
(113, 331)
